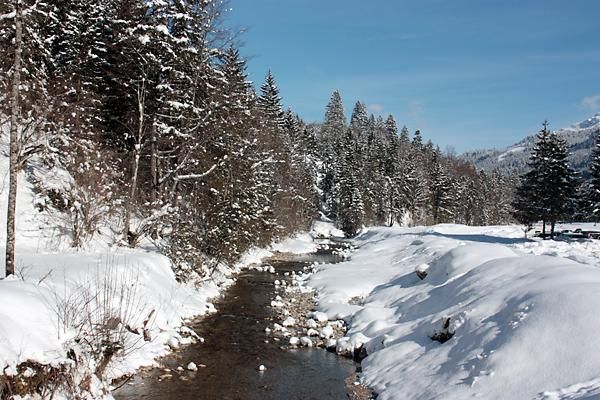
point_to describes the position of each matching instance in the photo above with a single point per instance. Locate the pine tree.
(334, 125)
(442, 191)
(350, 203)
(417, 142)
(270, 102)
(547, 190)
(332, 134)
(594, 195)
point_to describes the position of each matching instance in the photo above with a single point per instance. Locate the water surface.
(236, 344)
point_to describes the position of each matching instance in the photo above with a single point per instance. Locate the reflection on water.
(235, 345)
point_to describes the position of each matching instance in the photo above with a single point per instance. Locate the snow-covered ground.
(523, 313)
(60, 295)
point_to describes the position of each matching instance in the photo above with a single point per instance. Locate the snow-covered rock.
(192, 367)
(319, 316)
(326, 331)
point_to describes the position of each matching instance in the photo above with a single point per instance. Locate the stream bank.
(227, 364)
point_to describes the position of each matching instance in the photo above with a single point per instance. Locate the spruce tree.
(594, 195)
(350, 202)
(270, 102)
(442, 191)
(332, 134)
(547, 190)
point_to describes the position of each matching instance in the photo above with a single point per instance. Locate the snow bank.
(522, 325)
(41, 309)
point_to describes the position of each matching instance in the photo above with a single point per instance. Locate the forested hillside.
(145, 110)
(580, 137)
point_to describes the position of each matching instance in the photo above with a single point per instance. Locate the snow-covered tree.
(594, 195)
(547, 190)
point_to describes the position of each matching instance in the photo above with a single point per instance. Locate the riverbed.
(236, 345)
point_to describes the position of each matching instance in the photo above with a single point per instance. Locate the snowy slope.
(524, 313)
(40, 307)
(57, 287)
(580, 138)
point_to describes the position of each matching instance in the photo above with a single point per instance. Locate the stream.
(236, 345)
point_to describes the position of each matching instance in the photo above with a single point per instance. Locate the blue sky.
(469, 73)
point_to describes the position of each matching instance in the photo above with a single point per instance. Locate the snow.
(523, 313)
(517, 149)
(43, 306)
(192, 367)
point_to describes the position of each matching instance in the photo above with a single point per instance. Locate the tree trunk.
(14, 149)
(127, 233)
(552, 224)
(154, 177)
(543, 230)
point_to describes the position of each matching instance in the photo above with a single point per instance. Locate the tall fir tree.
(547, 190)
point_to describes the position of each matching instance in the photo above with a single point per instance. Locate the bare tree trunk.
(130, 236)
(154, 177)
(14, 149)
(543, 229)
(127, 233)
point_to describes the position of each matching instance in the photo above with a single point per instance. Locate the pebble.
(262, 368)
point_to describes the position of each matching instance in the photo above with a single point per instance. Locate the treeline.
(372, 174)
(137, 117)
(143, 110)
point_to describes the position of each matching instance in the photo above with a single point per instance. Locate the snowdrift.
(521, 325)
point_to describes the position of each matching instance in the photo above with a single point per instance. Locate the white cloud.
(376, 108)
(591, 102)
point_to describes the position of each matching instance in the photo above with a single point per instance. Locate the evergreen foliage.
(147, 108)
(547, 191)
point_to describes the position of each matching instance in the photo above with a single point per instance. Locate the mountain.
(580, 137)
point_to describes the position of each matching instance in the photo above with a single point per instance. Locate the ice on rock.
(289, 321)
(306, 341)
(294, 341)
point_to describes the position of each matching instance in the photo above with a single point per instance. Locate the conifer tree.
(334, 125)
(442, 191)
(350, 202)
(270, 102)
(594, 195)
(547, 190)
(332, 135)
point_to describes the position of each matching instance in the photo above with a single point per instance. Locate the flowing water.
(236, 345)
